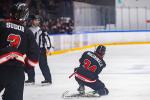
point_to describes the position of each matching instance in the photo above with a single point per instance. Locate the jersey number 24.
(87, 65)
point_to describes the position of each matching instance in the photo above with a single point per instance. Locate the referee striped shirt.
(42, 37)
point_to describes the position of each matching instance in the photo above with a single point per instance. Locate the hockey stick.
(72, 74)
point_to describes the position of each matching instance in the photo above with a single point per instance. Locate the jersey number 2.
(14, 40)
(87, 65)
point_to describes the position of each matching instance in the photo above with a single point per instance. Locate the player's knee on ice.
(103, 91)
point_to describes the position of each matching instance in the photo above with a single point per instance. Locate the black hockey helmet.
(19, 11)
(100, 50)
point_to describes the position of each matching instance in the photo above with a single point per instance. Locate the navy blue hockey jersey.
(90, 67)
(17, 44)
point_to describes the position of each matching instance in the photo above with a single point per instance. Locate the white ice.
(127, 75)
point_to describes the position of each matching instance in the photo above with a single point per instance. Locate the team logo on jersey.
(14, 40)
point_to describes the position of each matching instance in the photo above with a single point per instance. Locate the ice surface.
(127, 75)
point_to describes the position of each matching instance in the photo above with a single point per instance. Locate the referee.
(44, 43)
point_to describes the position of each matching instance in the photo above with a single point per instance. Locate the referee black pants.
(44, 65)
(31, 73)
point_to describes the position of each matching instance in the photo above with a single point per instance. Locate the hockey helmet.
(101, 50)
(19, 11)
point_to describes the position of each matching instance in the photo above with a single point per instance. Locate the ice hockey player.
(17, 48)
(91, 65)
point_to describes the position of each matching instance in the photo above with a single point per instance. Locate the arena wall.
(65, 43)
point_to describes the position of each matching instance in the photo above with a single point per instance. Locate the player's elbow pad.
(31, 63)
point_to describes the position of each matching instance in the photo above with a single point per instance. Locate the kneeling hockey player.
(91, 64)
